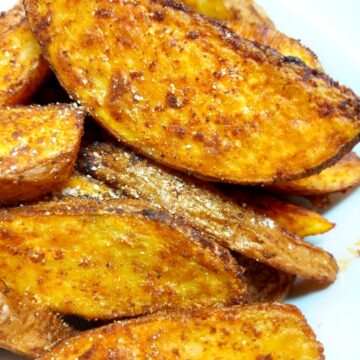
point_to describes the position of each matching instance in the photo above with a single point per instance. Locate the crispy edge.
(343, 175)
(27, 328)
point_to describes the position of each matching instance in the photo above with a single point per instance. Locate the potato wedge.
(85, 186)
(26, 327)
(22, 67)
(255, 28)
(298, 220)
(264, 283)
(341, 176)
(205, 208)
(216, 121)
(268, 331)
(38, 150)
(112, 259)
(239, 10)
(267, 35)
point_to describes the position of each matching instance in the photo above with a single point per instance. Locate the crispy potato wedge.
(38, 150)
(267, 35)
(112, 259)
(268, 331)
(255, 28)
(264, 283)
(341, 176)
(216, 122)
(205, 208)
(22, 67)
(26, 327)
(239, 10)
(85, 186)
(297, 219)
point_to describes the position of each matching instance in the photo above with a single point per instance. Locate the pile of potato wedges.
(148, 151)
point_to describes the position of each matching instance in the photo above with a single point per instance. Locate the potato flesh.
(269, 331)
(38, 150)
(111, 259)
(341, 176)
(22, 67)
(236, 227)
(218, 121)
(26, 327)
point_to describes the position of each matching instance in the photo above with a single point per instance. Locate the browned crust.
(349, 109)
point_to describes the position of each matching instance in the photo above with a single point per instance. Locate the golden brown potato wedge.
(299, 220)
(26, 327)
(216, 121)
(38, 149)
(267, 35)
(239, 10)
(264, 283)
(341, 176)
(268, 331)
(85, 186)
(22, 67)
(255, 28)
(112, 259)
(211, 212)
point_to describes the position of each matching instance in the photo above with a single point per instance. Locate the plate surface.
(332, 29)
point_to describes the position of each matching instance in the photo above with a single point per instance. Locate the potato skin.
(112, 259)
(343, 175)
(235, 226)
(236, 10)
(38, 150)
(23, 69)
(268, 331)
(296, 219)
(28, 328)
(216, 122)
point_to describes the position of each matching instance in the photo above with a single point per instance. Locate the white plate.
(332, 29)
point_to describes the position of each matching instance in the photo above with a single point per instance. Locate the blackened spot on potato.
(172, 101)
(158, 15)
(149, 213)
(326, 110)
(193, 35)
(293, 60)
(118, 87)
(175, 5)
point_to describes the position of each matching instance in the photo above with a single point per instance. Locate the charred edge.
(293, 60)
(176, 5)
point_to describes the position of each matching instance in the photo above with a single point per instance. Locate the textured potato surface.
(341, 176)
(190, 93)
(299, 220)
(267, 35)
(269, 331)
(26, 327)
(22, 67)
(251, 25)
(235, 226)
(38, 149)
(112, 259)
